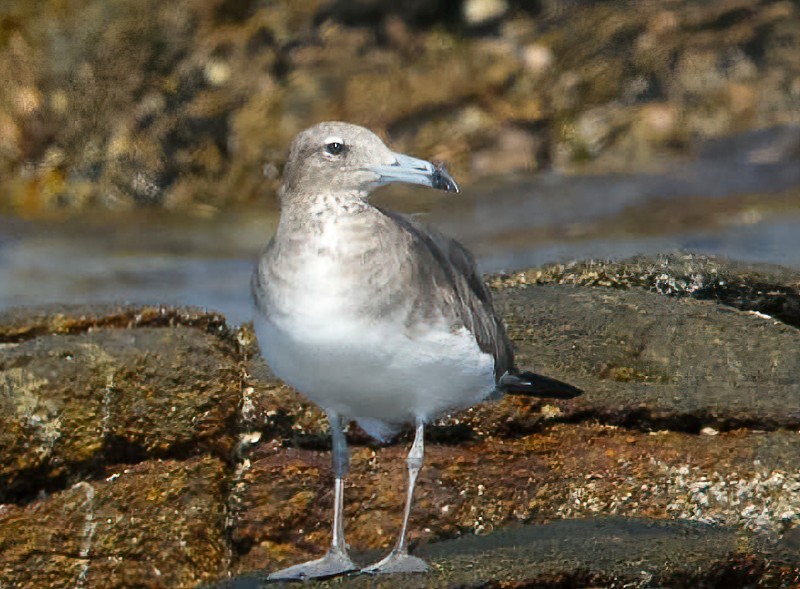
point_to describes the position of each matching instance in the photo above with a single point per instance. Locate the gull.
(373, 316)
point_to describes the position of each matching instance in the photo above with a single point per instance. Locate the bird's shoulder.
(448, 273)
(451, 257)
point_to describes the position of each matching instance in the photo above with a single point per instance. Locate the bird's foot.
(397, 562)
(335, 562)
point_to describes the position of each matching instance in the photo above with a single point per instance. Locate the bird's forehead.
(365, 145)
(339, 132)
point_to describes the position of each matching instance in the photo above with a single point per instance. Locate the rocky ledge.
(183, 108)
(145, 446)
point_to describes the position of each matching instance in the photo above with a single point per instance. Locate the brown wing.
(447, 268)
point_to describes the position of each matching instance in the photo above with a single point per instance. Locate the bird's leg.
(399, 560)
(336, 561)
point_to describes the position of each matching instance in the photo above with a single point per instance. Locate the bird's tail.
(516, 382)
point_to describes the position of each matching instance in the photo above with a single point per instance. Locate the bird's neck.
(316, 245)
(302, 214)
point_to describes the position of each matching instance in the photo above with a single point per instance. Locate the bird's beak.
(415, 171)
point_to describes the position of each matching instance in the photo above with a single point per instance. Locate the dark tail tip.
(536, 385)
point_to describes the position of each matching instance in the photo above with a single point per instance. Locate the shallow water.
(738, 198)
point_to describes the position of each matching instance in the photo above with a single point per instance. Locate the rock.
(770, 290)
(26, 323)
(481, 12)
(369, 12)
(537, 58)
(657, 123)
(204, 94)
(656, 373)
(683, 449)
(685, 362)
(478, 487)
(74, 402)
(682, 365)
(515, 151)
(666, 553)
(592, 132)
(156, 524)
(444, 78)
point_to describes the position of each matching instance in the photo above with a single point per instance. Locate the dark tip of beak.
(442, 180)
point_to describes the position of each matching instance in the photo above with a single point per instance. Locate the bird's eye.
(334, 147)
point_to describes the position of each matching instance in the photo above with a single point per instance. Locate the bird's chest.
(316, 303)
(330, 281)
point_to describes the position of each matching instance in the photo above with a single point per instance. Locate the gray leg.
(399, 560)
(336, 561)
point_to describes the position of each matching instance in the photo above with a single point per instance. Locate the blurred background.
(142, 141)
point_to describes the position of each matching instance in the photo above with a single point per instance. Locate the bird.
(373, 316)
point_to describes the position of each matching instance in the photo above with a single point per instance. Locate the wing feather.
(447, 268)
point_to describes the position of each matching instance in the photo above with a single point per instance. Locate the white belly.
(376, 371)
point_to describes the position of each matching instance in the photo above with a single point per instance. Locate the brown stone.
(741, 480)
(84, 393)
(683, 449)
(204, 93)
(156, 524)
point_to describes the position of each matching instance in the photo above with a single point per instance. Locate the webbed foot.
(397, 562)
(333, 563)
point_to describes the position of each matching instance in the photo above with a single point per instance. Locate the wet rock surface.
(607, 552)
(685, 365)
(205, 92)
(92, 395)
(744, 480)
(155, 524)
(677, 468)
(25, 323)
(764, 289)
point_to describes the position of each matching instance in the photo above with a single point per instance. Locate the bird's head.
(346, 159)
